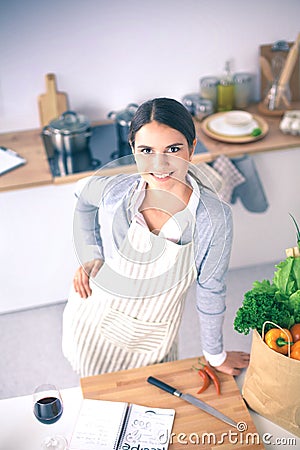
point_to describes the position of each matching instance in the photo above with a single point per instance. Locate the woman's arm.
(90, 193)
(86, 228)
(95, 209)
(211, 295)
(81, 280)
(214, 240)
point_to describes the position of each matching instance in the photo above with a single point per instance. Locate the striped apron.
(132, 317)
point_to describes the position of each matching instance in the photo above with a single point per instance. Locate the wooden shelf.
(274, 140)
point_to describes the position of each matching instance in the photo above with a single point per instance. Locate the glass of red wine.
(48, 408)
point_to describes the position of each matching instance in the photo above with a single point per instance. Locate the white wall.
(109, 53)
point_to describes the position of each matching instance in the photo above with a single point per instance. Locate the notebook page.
(9, 160)
(99, 425)
(147, 428)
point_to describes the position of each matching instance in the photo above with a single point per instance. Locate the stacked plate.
(235, 126)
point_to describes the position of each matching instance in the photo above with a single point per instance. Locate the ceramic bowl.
(238, 118)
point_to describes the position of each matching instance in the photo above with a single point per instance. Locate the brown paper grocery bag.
(272, 385)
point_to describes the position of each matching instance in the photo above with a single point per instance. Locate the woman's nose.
(160, 161)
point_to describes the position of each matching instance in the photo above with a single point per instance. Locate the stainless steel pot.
(67, 143)
(122, 122)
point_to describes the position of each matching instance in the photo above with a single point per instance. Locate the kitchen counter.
(36, 171)
(20, 429)
(274, 140)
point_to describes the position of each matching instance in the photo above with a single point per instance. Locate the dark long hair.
(166, 111)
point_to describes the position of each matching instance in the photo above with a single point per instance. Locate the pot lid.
(69, 123)
(124, 116)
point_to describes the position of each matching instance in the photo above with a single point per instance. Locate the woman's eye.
(146, 150)
(174, 149)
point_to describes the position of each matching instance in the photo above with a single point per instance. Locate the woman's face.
(162, 155)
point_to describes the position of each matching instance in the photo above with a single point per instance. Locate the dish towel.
(251, 193)
(231, 176)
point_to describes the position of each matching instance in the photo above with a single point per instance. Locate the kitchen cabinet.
(37, 258)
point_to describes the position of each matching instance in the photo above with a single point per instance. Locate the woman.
(143, 239)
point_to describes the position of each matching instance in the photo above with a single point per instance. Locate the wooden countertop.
(37, 172)
(274, 140)
(131, 386)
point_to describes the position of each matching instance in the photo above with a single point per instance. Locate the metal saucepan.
(66, 139)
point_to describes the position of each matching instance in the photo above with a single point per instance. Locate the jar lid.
(189, 99)
(209, 81)
(242, 77)
(69, 123)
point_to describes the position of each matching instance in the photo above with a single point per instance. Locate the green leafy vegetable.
(260, 305)
(296, 272)
(283, 278)
(298, 231)
(278, 301)
(256, 132)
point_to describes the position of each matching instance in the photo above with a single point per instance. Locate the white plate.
(219, 126)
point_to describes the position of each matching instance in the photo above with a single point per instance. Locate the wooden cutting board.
(53, 103)
(193, 424)
(266, 51)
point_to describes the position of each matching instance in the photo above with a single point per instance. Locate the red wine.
(48, 410)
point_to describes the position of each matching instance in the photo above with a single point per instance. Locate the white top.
(171, 230)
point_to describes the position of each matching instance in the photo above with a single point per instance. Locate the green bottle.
(226, 90)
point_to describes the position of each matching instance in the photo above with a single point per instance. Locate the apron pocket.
(133, 334)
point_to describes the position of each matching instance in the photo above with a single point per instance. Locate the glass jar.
(226, 90)
(203, 108)
(209, 89)
(243, 85)
(198, 106)
(277, 97)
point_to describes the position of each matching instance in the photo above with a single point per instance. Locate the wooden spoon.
(266, 68)
(288, 70)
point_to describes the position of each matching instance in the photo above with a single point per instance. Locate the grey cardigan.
(105, 207)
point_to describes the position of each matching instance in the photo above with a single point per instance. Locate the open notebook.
(9, 160)
(109, 425)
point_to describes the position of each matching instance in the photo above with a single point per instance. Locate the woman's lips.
(161, 176)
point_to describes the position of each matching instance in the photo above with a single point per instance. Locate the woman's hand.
(234, 362)
(82, 276)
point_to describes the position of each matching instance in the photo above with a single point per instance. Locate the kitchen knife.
(193, 400)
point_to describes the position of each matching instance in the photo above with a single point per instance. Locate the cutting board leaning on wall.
(53, 103)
